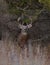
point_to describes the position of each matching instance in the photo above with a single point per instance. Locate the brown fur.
(22, 39)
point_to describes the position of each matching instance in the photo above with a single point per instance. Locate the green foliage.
(26, 20)
(46, 3)
(27, 7)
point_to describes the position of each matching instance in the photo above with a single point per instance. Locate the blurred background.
(30, 49)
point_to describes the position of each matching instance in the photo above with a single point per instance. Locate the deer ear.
(29, 26)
